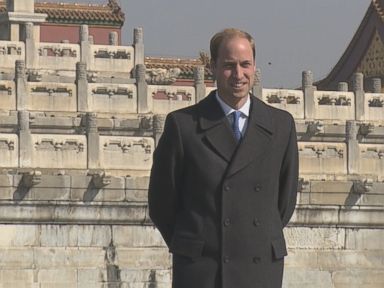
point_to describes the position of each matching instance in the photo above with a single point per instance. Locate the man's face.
(234, 71)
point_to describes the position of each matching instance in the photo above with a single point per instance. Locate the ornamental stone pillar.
(198, 74)
(93, 141)
(342, 87)
(113, 38)
(85, 48)
(22, 95)
(138, 43)
(142, 89)
(25, 140)
(358, 89)
(309, 94)
(257, 89)
(82, 87)
(30, 46)
(376, 85)
(158, 127)
(352, 147)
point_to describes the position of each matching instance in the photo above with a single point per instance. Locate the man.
(222, 185)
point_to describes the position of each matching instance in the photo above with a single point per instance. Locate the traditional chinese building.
(364, 54)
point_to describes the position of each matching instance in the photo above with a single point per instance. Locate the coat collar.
(219, 134)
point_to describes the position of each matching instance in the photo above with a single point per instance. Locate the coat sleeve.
(289, 177)
(166, 173)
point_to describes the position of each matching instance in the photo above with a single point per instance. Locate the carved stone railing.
(57, 56)
(7, 95)
(290, 100)
(374, 106)
(334, 105)
(111, 58)
(11, 51)
(163, 99)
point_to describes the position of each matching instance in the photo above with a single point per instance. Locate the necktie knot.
(235, 125)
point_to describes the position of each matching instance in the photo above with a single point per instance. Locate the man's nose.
(238, 72)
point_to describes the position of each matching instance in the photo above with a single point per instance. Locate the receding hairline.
(228, 34)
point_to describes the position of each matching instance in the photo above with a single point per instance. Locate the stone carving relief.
(6, 144)
(113, 91)
(372, 153)
(54, 145)
(5, 90)
(376, 102)
(162, 76)
(51, 91)
(314, 128)
(278, 99)
(129, 146)
(35, 76)
(57, 51)
(112, 54)
(178, 95)
(314, 151)
(10, 49)
(342, 100)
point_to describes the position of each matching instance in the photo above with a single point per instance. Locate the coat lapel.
(218, 133)
(256, 139)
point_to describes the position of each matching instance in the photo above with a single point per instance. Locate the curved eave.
(355, 51)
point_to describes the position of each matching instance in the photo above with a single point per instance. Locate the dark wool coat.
(221, 206)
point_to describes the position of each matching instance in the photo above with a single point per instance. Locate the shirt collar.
(228, 109)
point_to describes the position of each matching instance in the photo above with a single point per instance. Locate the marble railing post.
(353, 147)
(25, 140)
(342, 86)
(376, 85)
(85, 48)
(198, 74)
(30, 46)
(257, 89)
(22, 95)
(138, 43)
(358, 89)
(142, 89)
(309, 94)
(82, 87)
(158, 127)
(113, 38)
(93, 141)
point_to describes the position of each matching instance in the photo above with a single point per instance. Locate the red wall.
(56, 33)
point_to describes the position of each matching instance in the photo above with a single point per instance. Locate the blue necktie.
(235, 125)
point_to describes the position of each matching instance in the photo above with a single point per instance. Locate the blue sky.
(291, 36)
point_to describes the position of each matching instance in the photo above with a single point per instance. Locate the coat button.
(256, 259)
(257, 188)
(256, 222)
(226, 259)
(227, 222)
(226, 188)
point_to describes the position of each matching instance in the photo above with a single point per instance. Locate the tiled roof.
(109, 14)
(185, 65)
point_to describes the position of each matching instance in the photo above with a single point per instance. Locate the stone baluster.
(142, 89)
(376, 85)
(138, 43)
(113, 38)
(257, 89)
(342, 87)
(358, 89)
(353, 147)
(85, 49)
(30, 46)
(93, 141)
(198, 74)
(82, 87)
(22, 95)
(309, 94)
(158, 127)
(25, 140)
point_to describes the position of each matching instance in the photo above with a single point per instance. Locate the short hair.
(226, 34)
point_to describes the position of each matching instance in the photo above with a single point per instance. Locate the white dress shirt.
(244, 113)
